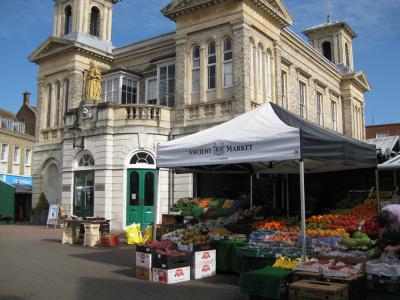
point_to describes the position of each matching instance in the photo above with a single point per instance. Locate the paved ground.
(35, 265)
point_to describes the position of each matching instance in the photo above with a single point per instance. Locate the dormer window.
(327, 50)
(95, 22)
(68, 20)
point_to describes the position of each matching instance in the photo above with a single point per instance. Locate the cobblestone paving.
(35, 265)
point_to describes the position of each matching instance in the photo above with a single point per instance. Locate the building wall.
(390, 129)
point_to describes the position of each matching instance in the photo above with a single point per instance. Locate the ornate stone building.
(226, 57)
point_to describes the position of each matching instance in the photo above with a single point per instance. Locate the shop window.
(86, 161)
(211, 66)
(68, 20)
(228, 65)
(327, 50)
(95, 22)
(142, 158)
(196, 70)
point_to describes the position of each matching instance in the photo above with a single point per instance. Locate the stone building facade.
(224, 58)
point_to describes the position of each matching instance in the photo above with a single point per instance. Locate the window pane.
(134, 189)
(149, 189)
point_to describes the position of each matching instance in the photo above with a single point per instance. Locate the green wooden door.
(141, 195)
(84, 194)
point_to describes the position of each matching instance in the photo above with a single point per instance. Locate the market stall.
(268, 139)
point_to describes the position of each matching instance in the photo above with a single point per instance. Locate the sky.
(25, 24)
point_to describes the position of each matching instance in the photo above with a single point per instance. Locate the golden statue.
(93, 83)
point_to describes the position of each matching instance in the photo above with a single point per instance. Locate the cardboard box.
(171, 276)
(143, 273)
(202, 257)
(143, 259)
(308, 290)
(204, 270)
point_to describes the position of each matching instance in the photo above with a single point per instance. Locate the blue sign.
(16, 180)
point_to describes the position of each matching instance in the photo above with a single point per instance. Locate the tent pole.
(156, 207)
(251, 190)
(378, 196)
(303, 210)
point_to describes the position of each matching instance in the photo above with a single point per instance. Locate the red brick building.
(384, 130)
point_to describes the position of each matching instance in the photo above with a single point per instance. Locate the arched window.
(260, 72)
(58, 102)
(251, 54)
(86, 161)
(211, 65)
(68, 20)
(268, 73)
(95, 22)
(346, 49)
(227, 66)
(327, 50)
(142, 158)
(196, 70)
(49, 100)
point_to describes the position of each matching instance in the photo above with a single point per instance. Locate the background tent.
(268, 139)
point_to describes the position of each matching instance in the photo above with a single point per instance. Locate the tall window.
(319, 108)
(251, 64)
(269, 73)
(58, 101)
(16, 155)
(167, 85)
(95, 22)
(196, 70)
(334, 115)
(49, 100)
(227, 65)
(4, 152)
(28, 157)
(151, 90)
(327, 50)
(260, 70)
(303, 99)
(68, 20)
(110, 90)
(346, 49)
(211, 65)
(129, 91)
(66, 95)
(284, 88)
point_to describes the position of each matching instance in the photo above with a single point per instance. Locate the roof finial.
(328, 11)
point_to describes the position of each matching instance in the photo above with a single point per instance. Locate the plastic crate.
(172, 262)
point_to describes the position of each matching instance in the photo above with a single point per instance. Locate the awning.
(268, 139)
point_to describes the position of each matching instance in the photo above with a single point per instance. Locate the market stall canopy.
(268, 139)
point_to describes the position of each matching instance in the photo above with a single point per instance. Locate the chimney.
(27, 95)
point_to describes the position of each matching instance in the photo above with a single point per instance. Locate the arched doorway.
(51, 184)
(83, 198)
(141, 189)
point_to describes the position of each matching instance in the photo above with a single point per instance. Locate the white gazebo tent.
(268, 139)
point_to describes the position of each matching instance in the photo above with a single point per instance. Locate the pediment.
(275, 7)
(50, 47)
